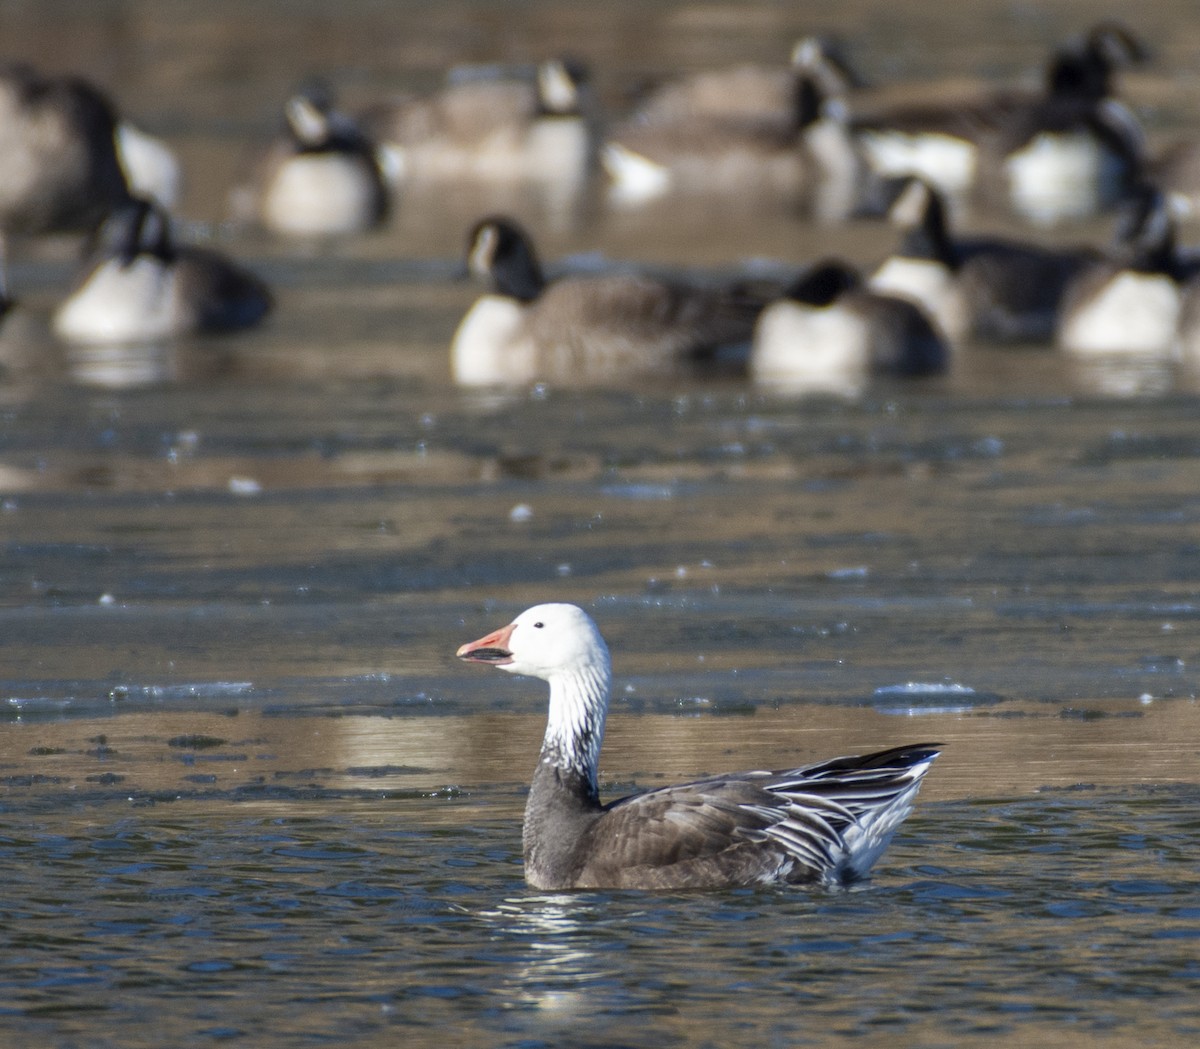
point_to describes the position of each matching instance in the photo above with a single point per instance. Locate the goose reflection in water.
(563, 964)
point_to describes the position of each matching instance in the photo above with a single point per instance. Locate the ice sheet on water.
(929, 697)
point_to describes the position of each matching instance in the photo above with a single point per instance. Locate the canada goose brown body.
(586, 329)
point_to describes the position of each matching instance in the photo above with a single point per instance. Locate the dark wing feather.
(694, 835)
(1015, 291)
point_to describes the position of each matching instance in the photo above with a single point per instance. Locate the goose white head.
(545, 641)
(561, 645)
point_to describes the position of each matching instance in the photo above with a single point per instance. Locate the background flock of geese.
(800, 132)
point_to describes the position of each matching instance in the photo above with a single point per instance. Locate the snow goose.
(587, 329)
(819, 824)
(139, 286)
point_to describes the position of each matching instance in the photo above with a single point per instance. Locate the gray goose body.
(585, 330)
(810, 156)
(819, 824)
(763, 95)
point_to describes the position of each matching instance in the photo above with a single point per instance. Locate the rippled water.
(247, 795)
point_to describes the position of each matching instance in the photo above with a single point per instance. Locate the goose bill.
(490, 649)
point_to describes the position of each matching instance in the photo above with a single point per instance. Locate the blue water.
(282, 917)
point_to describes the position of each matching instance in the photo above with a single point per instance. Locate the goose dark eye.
(538, 626)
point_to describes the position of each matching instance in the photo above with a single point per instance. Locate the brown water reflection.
(1006, 751)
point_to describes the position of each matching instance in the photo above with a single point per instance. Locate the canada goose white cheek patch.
(634, 178)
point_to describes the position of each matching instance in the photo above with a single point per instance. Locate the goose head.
(500, 250)
(317, 126)
(824, 283)
(547, 642)
(138, 227)
(1084, 68)
(918, 210)
(560, 86)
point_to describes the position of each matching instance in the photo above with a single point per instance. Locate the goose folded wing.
(644, 320)
(688, 834)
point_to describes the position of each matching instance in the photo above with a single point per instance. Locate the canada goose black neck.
(808, 101)
(499, 249)
(1145, 234)
(136, 228)
(927, 234)
(1083, 69)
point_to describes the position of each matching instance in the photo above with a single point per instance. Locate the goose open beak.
(490, 649)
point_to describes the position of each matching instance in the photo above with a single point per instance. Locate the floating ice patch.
(928, 697)
(244, 486)
(640, 492)
(850, 572)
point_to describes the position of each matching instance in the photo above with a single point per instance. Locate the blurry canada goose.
(322, 177)
(746, 94)
(829, 332)
(139, 287)
(579, 330)
(1067, 151)
(1132, 301)
(538, 129)
(59, 169)
(812, 159)
(990, 288)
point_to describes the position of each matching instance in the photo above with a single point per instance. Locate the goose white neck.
(575, 728)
